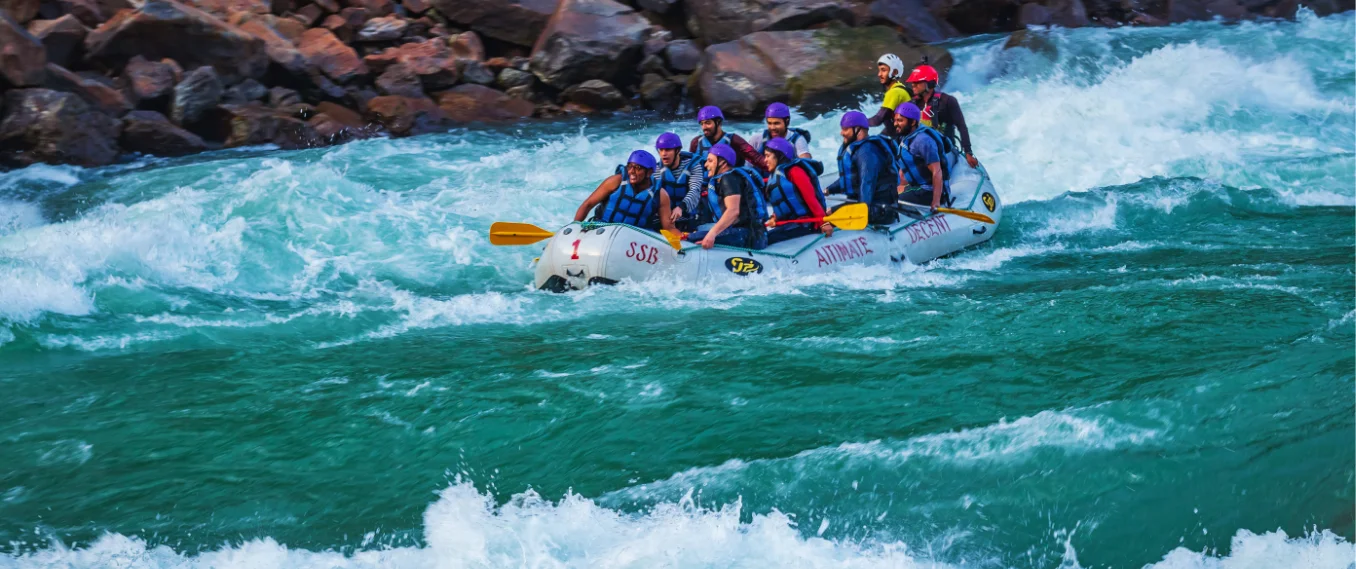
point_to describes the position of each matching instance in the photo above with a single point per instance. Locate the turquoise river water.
(315, 359)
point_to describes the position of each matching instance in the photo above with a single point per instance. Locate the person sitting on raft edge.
(676, 176)
(940, 110)
(889, 69)
(713, 133)
(793, 192)
(866, 169)
(732, 200)
(778, 119)
(630, 196)
(923, 172)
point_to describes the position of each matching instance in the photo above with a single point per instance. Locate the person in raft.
(889, 70)
(923, 172)
(632, 196)
(733, 201)
(778, 119)
(867, 172)
(713, 133)
(940, 110)
(676, 176)
(793, 192)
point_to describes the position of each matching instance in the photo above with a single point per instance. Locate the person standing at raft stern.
(778, 119)
(889, 69)
(940, 110)
(866, 169)
(793, 192)
(630, 196)
(713, 133)
(674, 175)
(922, 168)
(734, 201)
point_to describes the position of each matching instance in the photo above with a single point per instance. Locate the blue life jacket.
(786, 201)
(792, 135)
(883, 188)
(628, 205)
(915, 171)
(674, 181)
(751, 200)
(704, 145)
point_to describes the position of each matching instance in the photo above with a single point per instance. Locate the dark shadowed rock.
(326, 53)
(252, 124)
(913, 18)
(432, 61)
(683, 55)
(514, 21)
(373, 8)
(308, 15)
(387, 28)
(165, 28)
(510, 78)
(473, 71)
(589, 39)
(225, 7)
(596, 94)
(338, 26)
(87, 11)
(717, 21)
(64, 38)
(22, 56)
(342, 114)
(416, 7)
(809, 66)
(100, 96)
(149, 82)
(282, 97)
(199, 91)
(330, 6)
(41, 125)
(467, 45)
(21, 11)
(406, 116)
(399, 80)
(149, 132)
(245, 91)
(660, 94)
(661, 7)
(477, 103)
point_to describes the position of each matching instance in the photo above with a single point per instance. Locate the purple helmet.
(723, 150)
(708, 113)
(668, 140)
(777, 111)
(781, 145)
(642, 158)
(909, 111)
(854, 119)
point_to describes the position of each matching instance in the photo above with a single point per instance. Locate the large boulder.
(660, 94)
(22, 56)
(590, 39)
(200, 90)
(326, 53)
(88, 12)
(432, 61)
(253, 123)
(48, 126)
(406, 116)
(717, 21)
(683, 55)
(913, 18)
(802, 67)
(20, 10)
(99, 95)
(64, 38)
(596, 94)
(149, 132)
(281, 52)
(515, 21)
(399, 80)
(165, 28)
(150, 82)
(385, 28)
(477, 103)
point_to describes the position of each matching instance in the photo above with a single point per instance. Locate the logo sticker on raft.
(838, 252)
(928, 228)
(989, 202)
(742, 266)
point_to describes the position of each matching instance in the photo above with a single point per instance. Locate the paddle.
(510, 233)
(956, 212)
(851, 217)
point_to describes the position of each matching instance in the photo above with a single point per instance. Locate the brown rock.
(467, 45)
(416, 7)
(281, 52)
(162, 28)
(385, 28)
(99, 96)
(149, 81)
(399, 80)
(22, 56)
(914, 18)
(477, 103)
(245, 91)
(282, 97)
(510, 78)
(596, 94)
(199, 91)
(64, 38)
(47, 126)
(374, 8)
(87, 11)
(338, 26)
(308, 14)
(21, 11)
(589, 39)
(497, 63)
(329, 6)
(342, 114)
(717, 21)
(288, 28)
(683, 55)
(354, 17)
(405, 116)
(515, 21)
(252, 124)
(149, 132)
(326, 53)
(432, 61)
(233, 7)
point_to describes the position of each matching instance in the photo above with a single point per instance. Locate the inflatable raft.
(584, 254)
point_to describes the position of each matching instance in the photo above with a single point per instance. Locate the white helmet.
(892, 62)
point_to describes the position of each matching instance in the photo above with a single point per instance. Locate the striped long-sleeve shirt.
(696, 178)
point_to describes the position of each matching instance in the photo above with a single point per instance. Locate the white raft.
(583, 254)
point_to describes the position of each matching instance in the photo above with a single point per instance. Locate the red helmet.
(922, 73)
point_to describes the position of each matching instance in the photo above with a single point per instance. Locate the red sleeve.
(807, 191)
(692, 146)
(749, 153)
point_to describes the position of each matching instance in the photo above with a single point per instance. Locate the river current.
(258, 358)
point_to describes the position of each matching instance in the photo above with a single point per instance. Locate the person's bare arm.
(609, 185)
(666, 221)
(936, 168)
(727, 219)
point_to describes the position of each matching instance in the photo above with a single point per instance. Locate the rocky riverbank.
(89, 81)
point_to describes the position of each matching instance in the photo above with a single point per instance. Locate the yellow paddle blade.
(674, 240)
(851, 217)
(966, 214)
(510, 233)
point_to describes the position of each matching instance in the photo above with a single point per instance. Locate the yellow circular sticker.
(989, 201)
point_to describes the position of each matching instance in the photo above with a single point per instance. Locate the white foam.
(1270, 550)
